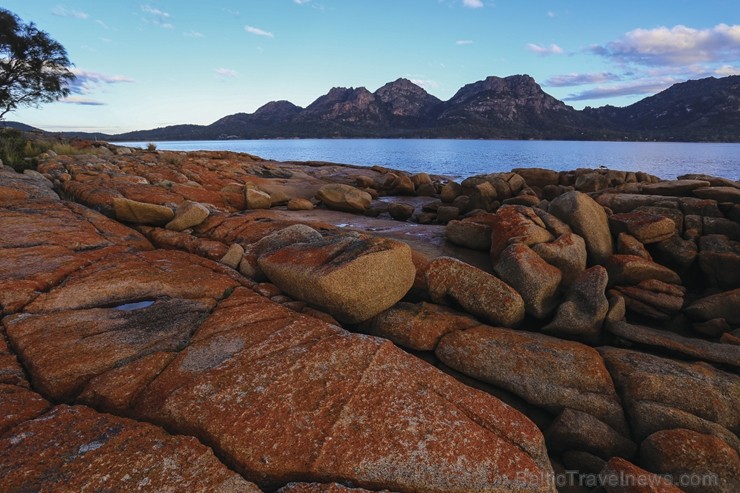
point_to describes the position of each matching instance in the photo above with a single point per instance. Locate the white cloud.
(473, 4)
(551, 14)
(194, 34)
(155, 11)
(726, 70)
(676, 46)
(102, 24)
(553, 49)
(461, 42)
(65, 12)
(158, 17)
(258, 32)
(632, 88)
(581, 79)
(425, 83)
(87, 81)
(226, 72)
(301, 2)
(82, 100)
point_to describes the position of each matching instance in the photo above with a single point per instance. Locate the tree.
(34, 68)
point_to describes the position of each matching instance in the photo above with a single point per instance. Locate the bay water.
(463, 158)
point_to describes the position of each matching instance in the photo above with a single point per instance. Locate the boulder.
(72, 449)
(629, 245)
(579, 431)
(534, 279)
(515, 223)
(647, 228)
(299, 204)
(567, 253)
(653, 299)
(187, 215)
(669, 342)
(353, 279)
(725, 305)
(591, 182)
(720, 194)
(476, 291)
(472, 232)
(537, 177)
(543, 370)
(257, 199)
(132, 211)
(345, 197)
(709, 463)
(447, 213)
(661, 393)
(587, 219)
(627, 270)
(296, 233)
(233, 256)
(553, 224)
(450, 191)
(674, 188)
(621, 476)
(418, 326)
(401, 211)
(582, 312)
(398, 184)
(719, 261)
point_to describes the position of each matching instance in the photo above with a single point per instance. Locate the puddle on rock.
(134, 306)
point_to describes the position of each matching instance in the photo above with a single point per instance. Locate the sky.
(152, 63)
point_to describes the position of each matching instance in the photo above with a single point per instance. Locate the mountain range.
(512, 107)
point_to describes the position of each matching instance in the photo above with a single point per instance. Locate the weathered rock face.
(171, 338)
(77, 449)
(476, 291)
(713, 463)
(661, 393)
(621, 476)
(133, 211)
(344, 198)
(647, 228)
(348, 401)
(576, 430)
(567, 253)
(588, 220)
(516, 224)
(353, 279)
(627, 270)
(543, 370)
(418, 326)
(584, 308)
(533, 278)
(187, 215)
(93, 316)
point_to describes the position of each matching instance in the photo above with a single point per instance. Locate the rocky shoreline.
(212, 321)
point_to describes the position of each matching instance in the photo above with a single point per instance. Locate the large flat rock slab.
(73, 449)
(286, 399)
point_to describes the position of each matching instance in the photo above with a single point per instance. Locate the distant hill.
(512, 107)
(19, 126)
(697, 110)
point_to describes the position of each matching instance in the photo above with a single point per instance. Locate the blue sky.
(151, 63)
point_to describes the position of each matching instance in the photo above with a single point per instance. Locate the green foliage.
(34, 68)
(151, 147)
(21, 152)
(13, 149)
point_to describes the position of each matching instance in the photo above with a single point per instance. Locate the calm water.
(462, 158)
